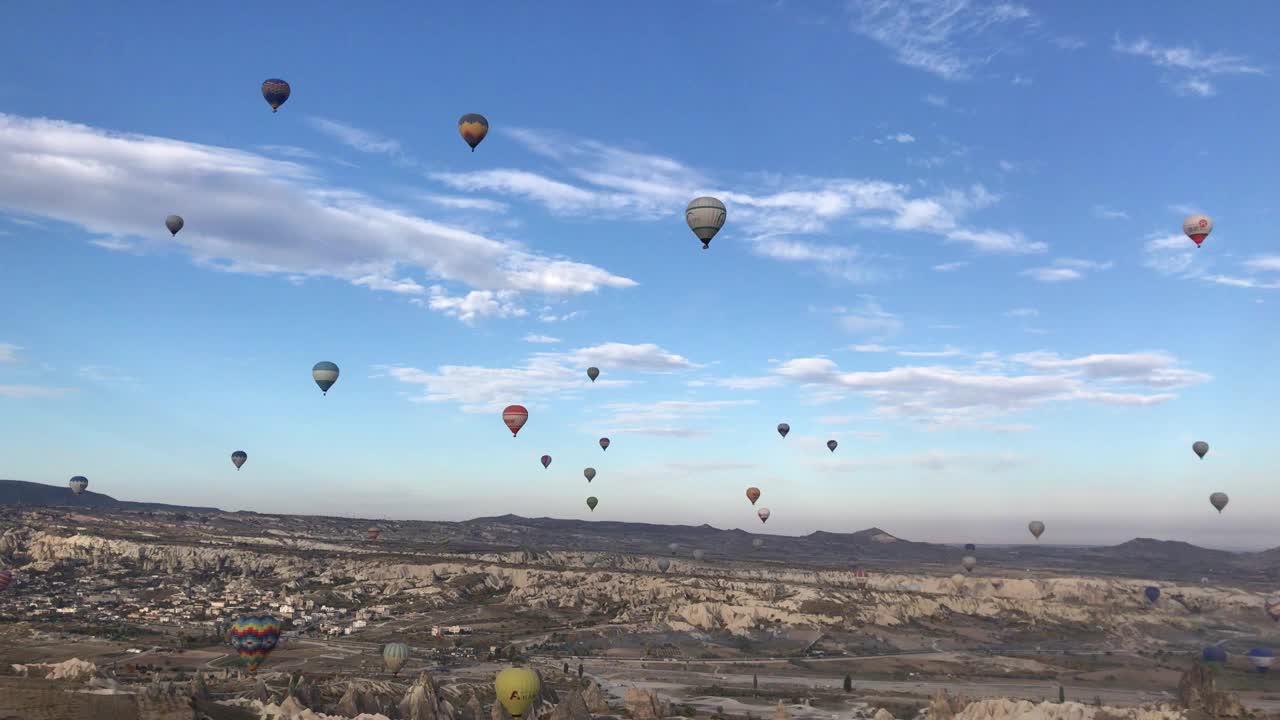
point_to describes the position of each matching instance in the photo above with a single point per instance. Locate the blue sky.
(953, 244)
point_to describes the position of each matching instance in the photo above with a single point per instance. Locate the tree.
(755, 683)
(566, 668)
(579, 671)
(1062, 694)
(848, 683)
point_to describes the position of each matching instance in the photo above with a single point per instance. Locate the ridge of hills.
(872, 547)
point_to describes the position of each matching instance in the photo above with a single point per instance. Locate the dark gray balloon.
(1200, 448)
(174, 223)
(1218, 500)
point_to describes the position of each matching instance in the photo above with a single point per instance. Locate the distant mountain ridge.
(21, 492)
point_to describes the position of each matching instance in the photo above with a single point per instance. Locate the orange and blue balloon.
(254, 637)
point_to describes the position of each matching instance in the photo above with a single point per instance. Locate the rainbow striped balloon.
(254, 637)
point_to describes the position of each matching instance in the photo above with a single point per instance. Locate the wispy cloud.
(272, 216)
(1022, 313)
(1069, 42)
(541, 339)
(665, 418)
(465, 203)
(949, 38)
(1064, 269)
(936, 100)
(544, 375)
(106, 375)
(943, 396)
(354, 137)
(900, 138)
(944, 353)
(1106, 213)
(950, 266)
(9, 352)
(33, 391)
(868, 319)
(1193, 67)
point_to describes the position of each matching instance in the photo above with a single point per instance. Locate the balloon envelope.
(705, 216)
(593, 373)
(763, 514)
(604, 443)
(590, 474)
(1197, 227)
(473, 127)
(831, 445)
(78, 484)
(1152, 592)
(238, 458)
(783, 429)
(1218, 500)
(753, 494)
(275, 91)
(174, 223)
(1036, 527)
(395, 655)
(254, 637)
(664, 564)
(592, 502)
(673, 547)
(970, 547)
(969, 562)
(1214, 654)
(1200, 447)
(517, 688)
(757, 543)
(325, 374)
(1262, 658)
(373, 533)
(515, 416)
(698, 554)
(546, 460)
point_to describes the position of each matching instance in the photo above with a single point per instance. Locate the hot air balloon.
(1272, 607)
(1152, 592)
(589, 473)
(957, 581)
(664, 564)
(1218, 500)
(970, 547)
(275, 92)
(593, 373)
(757, 543)
(673, 547)
(515, 416)
(698, 554)
(783, 429)
(1036, 527)
(546, 460)
(1261, 659)
(325, 374)
(238, 457)
(1200, 448)
(473, 127)
(373, 533)
(517, 688)
(969, 562)
(705, 216)
(753, 494)
(78, 484)
(763, 514)
(394, 656)
(831, 445)
(1214, 655)
(860, 577)
(174, 223)
(1197, 227)
(254, 637)
(6, 577)
(604, 443)
(592, 502)
(997, 583)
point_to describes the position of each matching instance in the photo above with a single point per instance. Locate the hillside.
(21, 492)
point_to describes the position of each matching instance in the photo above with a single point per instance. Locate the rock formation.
(573, 707)
(1198, 692)
(597, 701)
(646, 705)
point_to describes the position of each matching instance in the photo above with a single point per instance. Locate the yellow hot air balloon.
(517, 689)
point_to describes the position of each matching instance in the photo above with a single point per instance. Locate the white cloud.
(289, 151)
(901, 138)
(945, 396)
(869, 318)
(950, 266)
(1265, 263)
(114, 244)
(356, 138)
(33, 391)
(870, 348)
(1064, 269)
(9, 352)
(936, 100)
(485, 389)
(944, 353)
(1022, 313)
(666, 418)
(1021, 80)
(98, 373)
(1007, 166)
(1068, 42)
(250, 213)
(616, 183)
(1106, 213)
(542, 339)
(949, 38)
(473, 305)
(1192, 64)
(465, 203)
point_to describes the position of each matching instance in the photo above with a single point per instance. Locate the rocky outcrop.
(74, 669)
(472, 710)
(597, 701)
(1198, 692)
(882, 714)
(423, 701)
(1006, 709)
(780, 712)
(646, 705)
(573, 707)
